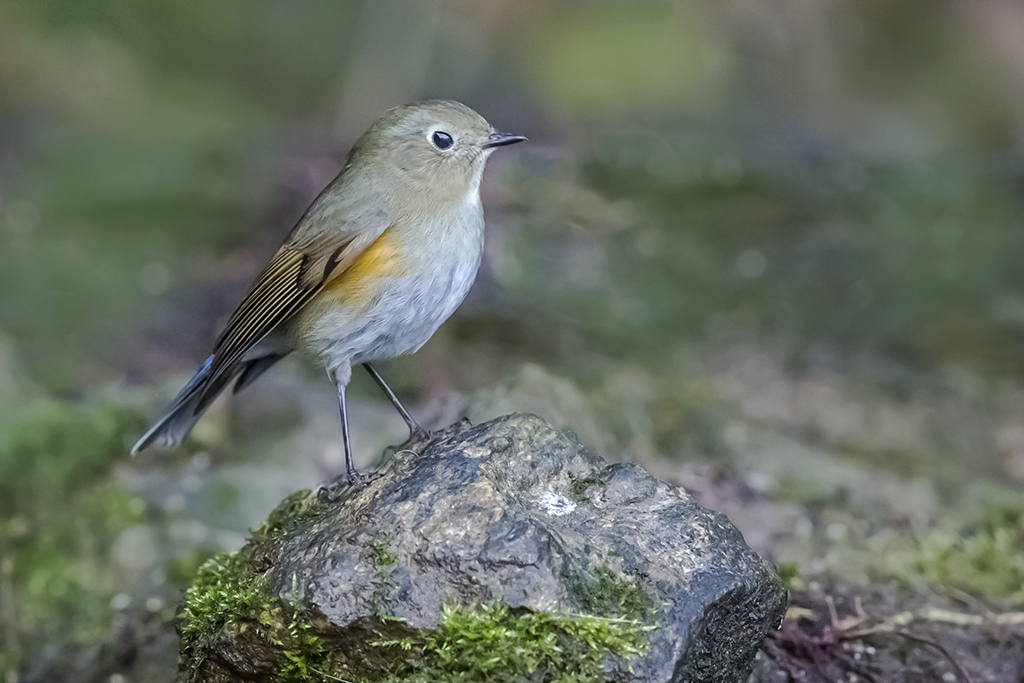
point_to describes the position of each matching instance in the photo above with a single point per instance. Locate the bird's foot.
(344, 485)
(420, 438)
(454, 429)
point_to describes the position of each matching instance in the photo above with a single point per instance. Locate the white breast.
(443, 257)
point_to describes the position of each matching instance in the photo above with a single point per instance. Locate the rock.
(504, 551)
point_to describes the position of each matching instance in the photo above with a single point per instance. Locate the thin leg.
(414, 427)
(350, 468)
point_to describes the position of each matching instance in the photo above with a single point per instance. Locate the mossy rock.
(503, 552)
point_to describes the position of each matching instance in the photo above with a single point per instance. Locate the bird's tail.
(188, 406)
(178, 419)
(181, 415)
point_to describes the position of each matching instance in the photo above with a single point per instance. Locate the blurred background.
(771, 251)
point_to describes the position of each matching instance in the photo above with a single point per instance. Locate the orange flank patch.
(358, 283)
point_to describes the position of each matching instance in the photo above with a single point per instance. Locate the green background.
(773, 244)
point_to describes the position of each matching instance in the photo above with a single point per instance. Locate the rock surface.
(512, 515)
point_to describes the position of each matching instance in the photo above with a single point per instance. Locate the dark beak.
(502, 139)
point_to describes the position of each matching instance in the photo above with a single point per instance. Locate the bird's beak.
(502, 139)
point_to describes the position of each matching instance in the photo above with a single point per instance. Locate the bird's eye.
(442, 140)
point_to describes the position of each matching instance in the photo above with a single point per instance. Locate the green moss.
(289, 513)
(227, 593)
(977, 547)
(611, 596)
(304, 652)
(60, 514)
(493, 642)
(224, 591)
(383, 558)
(48, 449)
(58, 565)
(984, 558)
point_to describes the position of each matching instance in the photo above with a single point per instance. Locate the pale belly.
(402, 315)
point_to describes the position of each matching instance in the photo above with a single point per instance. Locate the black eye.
(442, 140)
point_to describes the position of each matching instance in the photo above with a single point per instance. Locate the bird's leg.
(351, 473)
(416, 432)
(351, 482)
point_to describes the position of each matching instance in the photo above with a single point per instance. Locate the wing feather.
(296, 274)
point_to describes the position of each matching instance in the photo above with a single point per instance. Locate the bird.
(380, 259)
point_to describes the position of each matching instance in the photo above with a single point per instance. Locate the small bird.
(379, 260)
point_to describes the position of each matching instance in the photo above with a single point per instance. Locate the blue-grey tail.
(178, 419)
(180, 416)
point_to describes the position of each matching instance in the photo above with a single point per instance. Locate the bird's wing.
(298, 271)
